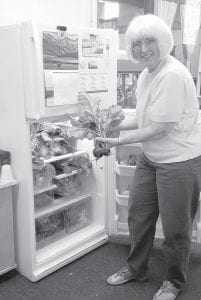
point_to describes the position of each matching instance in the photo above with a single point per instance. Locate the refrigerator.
(58, 215)
(66, 203)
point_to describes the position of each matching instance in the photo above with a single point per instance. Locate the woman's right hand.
(110, 142)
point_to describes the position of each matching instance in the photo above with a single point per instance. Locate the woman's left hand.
(111, 142)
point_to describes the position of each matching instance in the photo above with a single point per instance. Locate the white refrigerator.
(43, 68)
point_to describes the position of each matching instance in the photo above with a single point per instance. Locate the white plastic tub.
(122, 227)
(122, 200)
(124, 170)
(122, 210)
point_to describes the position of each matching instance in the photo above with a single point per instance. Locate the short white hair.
(149, 26)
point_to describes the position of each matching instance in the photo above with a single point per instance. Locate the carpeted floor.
(85, 278)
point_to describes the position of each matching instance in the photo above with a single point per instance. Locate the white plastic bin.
(124, 170)
(122, 201)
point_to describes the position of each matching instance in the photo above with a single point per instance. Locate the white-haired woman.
(168, 173)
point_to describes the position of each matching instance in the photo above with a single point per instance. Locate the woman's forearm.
(140, 135)
(151, 132)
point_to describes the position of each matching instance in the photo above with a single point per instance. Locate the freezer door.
(59, 62)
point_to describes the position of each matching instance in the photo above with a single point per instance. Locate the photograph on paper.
(60, 51)
(90, 65)
(92, 45)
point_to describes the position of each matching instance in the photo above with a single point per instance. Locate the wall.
(73, 12)
(126, 13)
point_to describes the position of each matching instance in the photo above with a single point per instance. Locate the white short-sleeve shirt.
(168, 95)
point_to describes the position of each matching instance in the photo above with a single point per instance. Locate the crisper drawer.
(68, 219)
(124, 170)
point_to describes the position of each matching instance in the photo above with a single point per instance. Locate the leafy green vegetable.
(92, 122)
(49, 139)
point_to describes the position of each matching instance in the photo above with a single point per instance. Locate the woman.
(168, 174)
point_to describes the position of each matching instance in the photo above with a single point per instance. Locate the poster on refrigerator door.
(94, 65)
(60, 60)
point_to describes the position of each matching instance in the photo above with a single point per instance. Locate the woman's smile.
(146, 56)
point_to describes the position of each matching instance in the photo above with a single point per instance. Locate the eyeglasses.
(146, 42)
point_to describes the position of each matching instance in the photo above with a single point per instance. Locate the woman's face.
(147, 52)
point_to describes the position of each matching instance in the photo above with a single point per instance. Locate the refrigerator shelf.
(124, 170)
(65, 175)
(65, 156)
(4, 185)
(59, 204)
(46, 189)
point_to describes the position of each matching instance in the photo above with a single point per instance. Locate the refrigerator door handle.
(61, 28)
